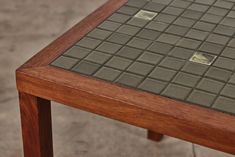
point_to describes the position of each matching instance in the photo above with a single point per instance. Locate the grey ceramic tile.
(232, 79)
(192, 14)
(152, 85)
(231, 14)
(148, 34)
(89, 43)
(218, 11)
(218, 39)
(121, 18)
(129, 30)
(219, 74)
(201, 98)
(108, 47)
(210, 85)
(162, 74)
(225, 30)
(77, 52)
(158, 26)
(108, 74)
(165, 18)
(204, 26)
(97, 57)
(177, 30)
(229, 52)
(173, 10)
(129, 52)
(156, 7)
(118, 63)
(232, 43)
(181, 21)
(195, 68)
(109, 25)
(166, 2)
(225, 104)
(139, 43)
(225, 63)
(85, 67)
(229, 91)
(168, 38)
(186, 79)
(198, 7)
(128, 79)
(228, 21)
(224, 4)
(176, 91)
(208, 2)
(211, 48)
(161, 48)
(65, 62)
(180, 3)
(128, 10)
(189, 43)
(182, 53)
(99, 34)
(137, 22)
(136, 3)
(150, 58)
(211, 18)
(140, 68)
(197, 34)
(119, 38)
(172, 63)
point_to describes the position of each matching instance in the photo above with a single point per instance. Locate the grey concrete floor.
(26, 26)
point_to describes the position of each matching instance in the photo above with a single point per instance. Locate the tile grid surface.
(154, 55)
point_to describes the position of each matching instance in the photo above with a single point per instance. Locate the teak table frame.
(38, 84)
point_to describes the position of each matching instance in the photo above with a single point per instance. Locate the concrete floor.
(26, 26)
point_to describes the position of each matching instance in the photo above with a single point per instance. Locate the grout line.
(102, 41)
(219, 55)
(143, 50)
(210, 32)
(174, 45)
(151, 63)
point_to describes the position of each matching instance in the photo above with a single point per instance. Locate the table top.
(163, 65)
(181, 49)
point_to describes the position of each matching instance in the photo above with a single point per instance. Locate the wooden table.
(163, 65)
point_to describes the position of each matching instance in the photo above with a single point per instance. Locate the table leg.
(154, 136)
(36, 126)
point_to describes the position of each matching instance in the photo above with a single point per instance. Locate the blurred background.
(26, 26)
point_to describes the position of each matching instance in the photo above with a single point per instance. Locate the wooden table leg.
(36, 126)
(155, 136)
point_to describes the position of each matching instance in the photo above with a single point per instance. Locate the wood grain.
(154, 136)
(156, 113)
(153, 112)
(36, 126)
